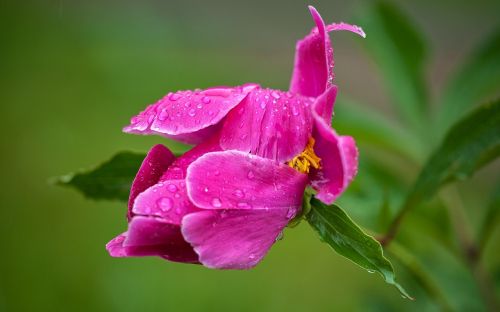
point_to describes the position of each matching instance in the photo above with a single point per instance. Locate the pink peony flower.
(224, 202)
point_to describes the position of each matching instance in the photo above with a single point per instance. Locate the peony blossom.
(224, 202)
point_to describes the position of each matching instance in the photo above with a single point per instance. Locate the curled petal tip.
(344, 26)
(318, 20)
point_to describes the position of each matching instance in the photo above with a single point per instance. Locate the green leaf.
(470, 144)
(490, 219)
(338, 230)
(111, 180)
(479, 77)
(400, 52)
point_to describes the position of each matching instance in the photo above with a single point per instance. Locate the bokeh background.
(72, 74)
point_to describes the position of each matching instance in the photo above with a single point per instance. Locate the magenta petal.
(189, 116)
(339, 155)
(313, 58)
(167, 200)
(250, 200)
(177, 170)
(269, 123)
(115, 246)
(152, 168)
(237, 180)
(148, 236)
(313, 68)
(233, 239)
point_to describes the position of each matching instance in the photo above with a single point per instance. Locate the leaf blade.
(111, 180)
(338, 230)
(479, 76)
(399, 50)
(470, 144)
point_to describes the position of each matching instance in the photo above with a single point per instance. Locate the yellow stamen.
(303, 162)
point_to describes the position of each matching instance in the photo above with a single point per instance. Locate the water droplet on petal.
(199, 105)
(165, 204)
(172, 188)
(216, 172)
(163, 114)
(275, 95)
(239, 193)
(250, 174)
(244, 205)
(280, 236)
(251, 256)
(216, 202)
(178, 210)
(295, 110)
(205, 99)
(174, 97)
(191, 112)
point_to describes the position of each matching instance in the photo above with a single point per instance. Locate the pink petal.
(233, 239)
(167, 200)
(153, 166)
(313, 68)
(237, 180)
(115, 246)
(250, 200)
(189, 116)
(177, 170)
(149, 236)
(269, 123)
(339, 155)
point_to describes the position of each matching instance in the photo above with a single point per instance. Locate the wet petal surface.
(189, 116)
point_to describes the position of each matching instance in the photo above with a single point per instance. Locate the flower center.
(303, 162)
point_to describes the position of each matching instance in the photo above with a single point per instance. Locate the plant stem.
(468, 248)
(396, 223)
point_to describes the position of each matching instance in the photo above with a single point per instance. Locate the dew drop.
(244, 205)
(290, 213)
(216, 202)
(174, 97)
(275, 95)
(295, 110)
(178, 210)
(199, 105)
(279, 237)
(165, 204)
(262, 104)
(172, 188)
(163, 114)
(205, 99)
(250, 174)
(191, 112)
(251, 256)
(239, 193)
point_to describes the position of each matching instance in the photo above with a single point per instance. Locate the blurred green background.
(74, 72)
